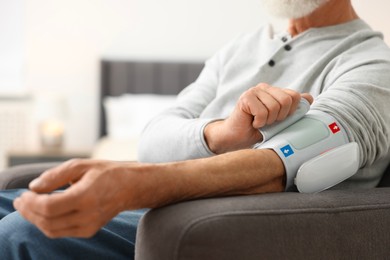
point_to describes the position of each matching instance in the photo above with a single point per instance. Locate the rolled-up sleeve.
(177, 133)
(360, 100)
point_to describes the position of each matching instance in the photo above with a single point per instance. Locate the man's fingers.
(287, 99)
(58, 222)
(47, 205)
(308, 97)
(57, 177)
(291, 101)
(272, 108)
(253, 106)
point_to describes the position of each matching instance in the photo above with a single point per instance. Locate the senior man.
(209, 144)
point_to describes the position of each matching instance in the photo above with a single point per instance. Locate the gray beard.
(291, 8)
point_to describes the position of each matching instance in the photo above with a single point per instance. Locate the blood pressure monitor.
(314, 148)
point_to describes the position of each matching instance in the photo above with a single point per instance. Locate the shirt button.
(271, 63)
(284, 39)
(287, 47)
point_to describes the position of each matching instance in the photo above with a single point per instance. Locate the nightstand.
(18, 157)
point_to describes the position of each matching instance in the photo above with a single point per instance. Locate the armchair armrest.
(20, 176)
(328, 225)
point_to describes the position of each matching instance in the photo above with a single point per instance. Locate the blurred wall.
(376, 14)
(66, 39)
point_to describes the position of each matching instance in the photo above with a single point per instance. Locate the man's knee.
(18, 237)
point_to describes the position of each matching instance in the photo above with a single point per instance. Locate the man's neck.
(331, 13)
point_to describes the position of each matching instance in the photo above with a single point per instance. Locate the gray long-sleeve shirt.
(345, 67)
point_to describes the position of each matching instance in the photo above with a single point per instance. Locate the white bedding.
(126, 116)
(115, 149)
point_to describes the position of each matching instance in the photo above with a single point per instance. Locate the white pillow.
(115, 149)
(128, 114)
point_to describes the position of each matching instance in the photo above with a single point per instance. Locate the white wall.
(66, 39)
(376, 14)
(11, 46)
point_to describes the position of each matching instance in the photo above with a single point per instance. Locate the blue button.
(287, 150)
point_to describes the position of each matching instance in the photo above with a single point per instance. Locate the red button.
(334, 128)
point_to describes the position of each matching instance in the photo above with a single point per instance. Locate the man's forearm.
(102, 189)
(236, 173)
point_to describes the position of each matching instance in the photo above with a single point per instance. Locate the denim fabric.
(21, 240)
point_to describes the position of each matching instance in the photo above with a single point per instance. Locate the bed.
(131, 93)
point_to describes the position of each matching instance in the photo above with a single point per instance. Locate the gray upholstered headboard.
(140, 77)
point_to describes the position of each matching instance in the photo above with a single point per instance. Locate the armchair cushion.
(349, 224)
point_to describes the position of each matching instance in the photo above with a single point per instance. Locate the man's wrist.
(221, 138)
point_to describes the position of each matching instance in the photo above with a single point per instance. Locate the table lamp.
(50, 111)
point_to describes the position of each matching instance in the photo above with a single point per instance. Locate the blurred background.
(50, 53)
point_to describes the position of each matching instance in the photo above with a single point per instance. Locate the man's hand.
(259, 106)
(98, 192)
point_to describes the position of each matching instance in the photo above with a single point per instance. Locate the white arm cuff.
(314, 134)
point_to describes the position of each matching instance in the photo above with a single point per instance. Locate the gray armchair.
(349, 224)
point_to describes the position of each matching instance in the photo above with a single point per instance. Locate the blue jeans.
(21, 240)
